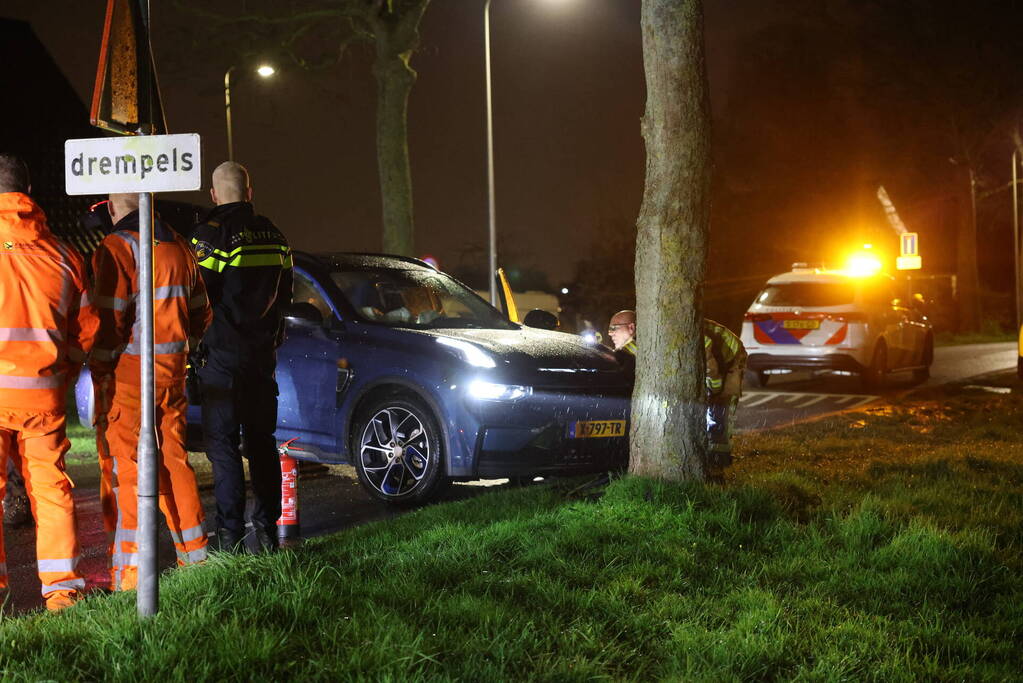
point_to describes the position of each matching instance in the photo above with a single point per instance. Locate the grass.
(881, 545)
(991, 332)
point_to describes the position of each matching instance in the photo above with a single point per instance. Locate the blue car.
(405, 373)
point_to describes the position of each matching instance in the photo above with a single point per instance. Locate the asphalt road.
(793, 398)
(331, 500)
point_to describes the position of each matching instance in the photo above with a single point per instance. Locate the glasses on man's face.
(612, 328)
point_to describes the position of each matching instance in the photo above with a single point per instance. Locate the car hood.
(549, 357)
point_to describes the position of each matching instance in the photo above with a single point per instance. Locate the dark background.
(816, 103)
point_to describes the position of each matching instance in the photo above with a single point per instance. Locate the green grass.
(881, 545)
(991, 332)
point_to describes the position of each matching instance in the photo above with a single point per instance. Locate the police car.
(837, 322)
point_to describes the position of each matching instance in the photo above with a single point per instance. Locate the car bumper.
(537, 436)
(832, 361)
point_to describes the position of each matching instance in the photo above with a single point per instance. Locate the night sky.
(815, 105)
(568, 95)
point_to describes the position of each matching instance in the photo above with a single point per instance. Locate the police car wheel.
(397, 451)
(762, 378)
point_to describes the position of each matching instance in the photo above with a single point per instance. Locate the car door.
(307, 369)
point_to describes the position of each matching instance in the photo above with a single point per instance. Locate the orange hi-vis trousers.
(38, 442)
(117, 432)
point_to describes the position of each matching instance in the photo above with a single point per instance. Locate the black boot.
(266, 539)
(229, 542)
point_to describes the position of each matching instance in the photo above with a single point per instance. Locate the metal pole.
(1015, 231)
(147, 599)
(490, 161)
(227, 110)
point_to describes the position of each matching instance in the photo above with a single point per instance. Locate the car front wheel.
(397, 450)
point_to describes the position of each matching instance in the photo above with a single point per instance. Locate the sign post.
(143, 164)
(126, 100)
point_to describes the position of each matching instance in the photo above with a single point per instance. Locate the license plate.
(596, 429)
(801, 324)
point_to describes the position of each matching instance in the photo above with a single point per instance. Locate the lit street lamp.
(265, 71)
(490, 160)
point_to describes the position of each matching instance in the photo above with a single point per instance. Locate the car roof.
(344, 259)
(825, 276)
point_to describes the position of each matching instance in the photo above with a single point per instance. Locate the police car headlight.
(489, 391)
(472, 354)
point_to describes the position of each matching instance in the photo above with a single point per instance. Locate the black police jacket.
(246, 264)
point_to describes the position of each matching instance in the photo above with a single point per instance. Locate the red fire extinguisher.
(288, 530)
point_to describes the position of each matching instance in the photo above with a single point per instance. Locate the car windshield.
(808, 294)
(416, 298)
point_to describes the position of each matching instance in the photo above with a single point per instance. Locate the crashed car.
(405, 373)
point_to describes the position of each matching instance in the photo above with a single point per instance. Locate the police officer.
(246, 263)
(622, 331)
(725, 357)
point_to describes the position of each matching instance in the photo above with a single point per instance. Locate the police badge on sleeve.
(203, 250)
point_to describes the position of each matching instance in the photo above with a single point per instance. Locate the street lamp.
(490, 160)
(264, 71)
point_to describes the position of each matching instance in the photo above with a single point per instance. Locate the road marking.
(764, 398)
(753, 399)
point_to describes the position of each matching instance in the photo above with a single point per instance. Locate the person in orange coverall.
(47, 326)
(181, 314)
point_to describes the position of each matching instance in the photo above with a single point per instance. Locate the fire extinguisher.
(288, 529)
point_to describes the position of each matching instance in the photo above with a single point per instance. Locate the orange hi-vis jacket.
(181, 310)
(47, 324)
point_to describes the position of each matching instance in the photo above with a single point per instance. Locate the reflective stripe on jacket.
(181, 311)
(247, 266)
(47, 323)
(726, 359)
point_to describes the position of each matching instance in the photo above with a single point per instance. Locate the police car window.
(809, 294)
(416, 298)
(304, 291)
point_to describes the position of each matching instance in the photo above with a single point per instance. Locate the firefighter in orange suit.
(181, 314)
(46, 328)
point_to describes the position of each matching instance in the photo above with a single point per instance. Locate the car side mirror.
(541, 319)
(303, 312)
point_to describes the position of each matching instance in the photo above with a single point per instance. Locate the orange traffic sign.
(126, 98)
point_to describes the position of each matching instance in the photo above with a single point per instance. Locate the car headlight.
(472, 354)
(489, 391)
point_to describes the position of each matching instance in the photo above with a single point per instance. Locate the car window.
(304, 290)
(809, 294)
(417, 298)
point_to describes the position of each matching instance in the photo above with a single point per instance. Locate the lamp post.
(265, 71)
(490, 160)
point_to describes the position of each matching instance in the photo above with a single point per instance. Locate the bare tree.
(392, 28)
(668, 436)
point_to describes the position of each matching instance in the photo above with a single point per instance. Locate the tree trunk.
(394, 79)
(967, 277)
(668, 434)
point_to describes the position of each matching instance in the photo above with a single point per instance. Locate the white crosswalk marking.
(779, 400)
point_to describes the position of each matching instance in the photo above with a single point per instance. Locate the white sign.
(910, 244)
(909, 262)
(137, 163)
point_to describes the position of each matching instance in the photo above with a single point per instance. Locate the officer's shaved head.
(13, 174)
(230, 184)
(122, 204)
(622, 328)
(624, 318)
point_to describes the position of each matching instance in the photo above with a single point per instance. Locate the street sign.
(146, 163)
(126, 97)
(908, 262)
(910, 244)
